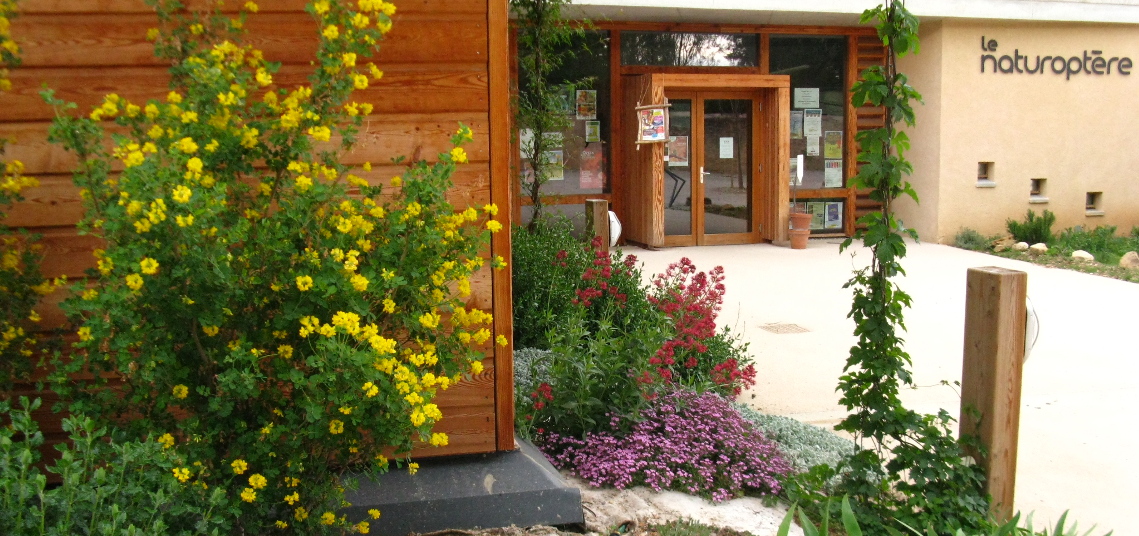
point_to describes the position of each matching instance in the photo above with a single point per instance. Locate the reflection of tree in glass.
(688, 49)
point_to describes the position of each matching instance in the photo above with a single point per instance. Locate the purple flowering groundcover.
(689, 442)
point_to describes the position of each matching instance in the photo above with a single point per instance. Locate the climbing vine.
(915, 470)
(545, 42)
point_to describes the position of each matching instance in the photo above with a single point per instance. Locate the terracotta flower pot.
(800, 230)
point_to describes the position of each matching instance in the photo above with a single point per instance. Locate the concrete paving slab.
(1078, 450)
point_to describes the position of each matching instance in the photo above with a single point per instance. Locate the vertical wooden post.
(995, 316)
(597, 221)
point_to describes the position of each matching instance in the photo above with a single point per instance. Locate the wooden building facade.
(743, 101)
(445, 62)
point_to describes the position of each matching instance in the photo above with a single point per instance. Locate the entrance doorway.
(710, 170)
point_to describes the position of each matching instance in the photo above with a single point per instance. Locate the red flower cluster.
(598, 279)
(544, 393)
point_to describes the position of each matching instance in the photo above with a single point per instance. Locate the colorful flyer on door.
(592, 177)
(812, 145)
(678, 151)
(832, 144)
(813, 122)
(592, 131)
(653, 127)
(796, 124)
(834, 216)
(832, 174)
(806, 97)
(586, 104)
(818, 214)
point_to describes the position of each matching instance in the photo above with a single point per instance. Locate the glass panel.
(826, 214)
(689, 49)
(678, 170)
(727, 166)
(817, 66)
(580, 143)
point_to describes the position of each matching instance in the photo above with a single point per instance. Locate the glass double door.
(709, 169)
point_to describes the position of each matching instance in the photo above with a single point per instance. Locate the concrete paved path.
(1079, 448)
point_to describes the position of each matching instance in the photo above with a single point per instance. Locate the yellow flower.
(294, 497)
(248, 495)
(360, 81)
(348, 59)
(194, 165)
(151, 34)
(285, 351)
(85, 334)
(493, 226)
(304, 283)
(331, 32)
(134, 281)
(375, 514)
(303, 183)
(251, 7)
(328, 518)
(439, 440)
(397, 181)
(264, 78)
(412, 468)
(187, 145)
(476, 367)
(189, 117)
(210, 330)
(370, 389)
(257, 481)
(500, 340)
(429, 320)
(148, 266)
(458, 155)
(182, 474)
(180, 391)
(184, 221)
(320, 133)
(491, 209)
(320, 7)
(300, 513)
(346, 410)
(335, 427)
(359, 282)
(362, 527)
(239, 466)
(281, 524)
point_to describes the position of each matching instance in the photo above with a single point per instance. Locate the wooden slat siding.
(437, 69)
(405, 88)
(471, 7)
(69, 40)
(638, 210)
(501, 194)
(868, 52)
(699, 27)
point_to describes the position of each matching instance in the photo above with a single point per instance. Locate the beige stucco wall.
(1079, 134)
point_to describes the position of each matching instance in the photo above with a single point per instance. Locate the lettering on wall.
(1092, 62)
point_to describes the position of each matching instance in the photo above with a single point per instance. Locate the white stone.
(1039, 248)
(1020, 246)
(1130, 260)
(1082, 255)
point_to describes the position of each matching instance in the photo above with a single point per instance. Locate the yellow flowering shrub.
(21, 283)
(271, 312)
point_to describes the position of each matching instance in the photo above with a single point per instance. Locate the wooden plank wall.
(437, 69)
(864, 51)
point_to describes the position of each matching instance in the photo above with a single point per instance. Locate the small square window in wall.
(1093, 206)
(985, 177)
(1036, 192)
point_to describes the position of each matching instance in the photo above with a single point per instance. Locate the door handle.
(702, 173)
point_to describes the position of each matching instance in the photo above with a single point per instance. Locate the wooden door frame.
(770, 146)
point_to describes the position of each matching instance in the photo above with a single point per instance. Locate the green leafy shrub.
(970, 239)
(108, 486)
(1034, 230)
(1102, 242)
(273, 329)
(546, 266)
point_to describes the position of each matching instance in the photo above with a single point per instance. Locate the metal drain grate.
(783, 329)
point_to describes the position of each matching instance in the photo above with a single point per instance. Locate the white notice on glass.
(806, 97)
(812, 146)
(832, 174)
(727, 148)
(813, 123)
